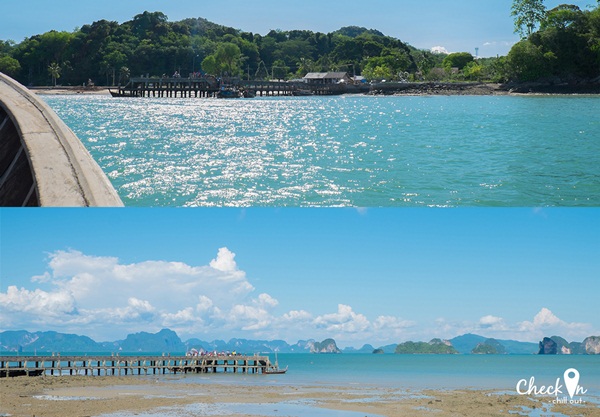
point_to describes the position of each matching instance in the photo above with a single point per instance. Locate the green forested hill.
(150, 44)
(565, 47)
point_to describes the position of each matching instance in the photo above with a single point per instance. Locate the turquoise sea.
(410, 372)
(373, 377)
(355, 151)
(437, 371)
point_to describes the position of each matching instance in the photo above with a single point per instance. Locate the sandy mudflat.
(92, 396)
(49, 91)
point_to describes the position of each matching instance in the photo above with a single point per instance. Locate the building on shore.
(327, 78)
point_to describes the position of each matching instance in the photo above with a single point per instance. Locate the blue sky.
(361, 276)
(457, 26)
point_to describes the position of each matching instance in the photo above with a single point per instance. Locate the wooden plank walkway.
(131, 365)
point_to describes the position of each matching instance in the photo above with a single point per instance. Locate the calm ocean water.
(438, 371)
(371, 376)
(412, 372)
(344, 151)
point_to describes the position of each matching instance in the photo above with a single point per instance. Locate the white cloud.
(492, 322)
(439, 50)
(391, 322)
(297, 316)
(92, 289)
(499, 43)
(38, 303)
(266, 300)
(224, 261)
(544, 323)
(209, 300)
(344, 320)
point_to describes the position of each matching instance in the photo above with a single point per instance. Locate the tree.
(54, 70)
(377, 72)
(210, 66)
(457, 60)
(562, 17)
(228, 58)
(305, 65)
(280, 70)
(9, 66)
(528, 14)
(528, 61)
(124, 74)
(473, 70)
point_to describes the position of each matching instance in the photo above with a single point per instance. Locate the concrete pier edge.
(64, 172)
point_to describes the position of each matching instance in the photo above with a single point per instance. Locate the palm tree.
(124, 74)
(54, 70)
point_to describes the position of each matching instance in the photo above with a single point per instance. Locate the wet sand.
(51, 91)
(92, 396)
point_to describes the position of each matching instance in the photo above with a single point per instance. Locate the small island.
(435, 346)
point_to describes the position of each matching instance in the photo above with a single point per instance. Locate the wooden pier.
(131, 365)
(209, 87)
(168, 87)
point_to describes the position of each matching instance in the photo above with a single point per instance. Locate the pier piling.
(131, 365)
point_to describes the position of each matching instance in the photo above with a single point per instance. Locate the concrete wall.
(42, 162)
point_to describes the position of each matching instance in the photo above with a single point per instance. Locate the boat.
(229, 93)
(275, 369)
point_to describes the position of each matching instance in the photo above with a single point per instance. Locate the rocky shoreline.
(438, 88)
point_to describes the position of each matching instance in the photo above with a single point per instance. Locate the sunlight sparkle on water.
(344, 151)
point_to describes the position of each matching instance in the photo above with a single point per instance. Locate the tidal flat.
(116, 396)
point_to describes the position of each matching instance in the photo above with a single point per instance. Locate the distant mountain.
(364, 349)
(490, 346)
(167, 341)
(519, 348)
(164, 341)
(592, 345)
(265, 346)
(326, 346)
(23, 341)
(435, 346)
(388, 348)
(243, 346)
(556, 345)
(467, 342)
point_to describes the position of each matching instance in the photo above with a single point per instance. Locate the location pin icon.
(571, 382)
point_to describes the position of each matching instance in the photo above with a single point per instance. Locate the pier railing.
(131, 365)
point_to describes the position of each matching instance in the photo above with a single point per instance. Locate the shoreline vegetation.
(86, 396)
(404, 89)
